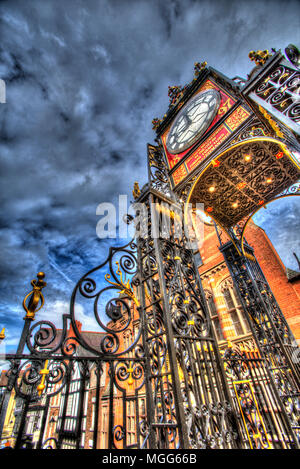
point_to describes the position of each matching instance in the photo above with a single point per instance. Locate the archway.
(243, 178)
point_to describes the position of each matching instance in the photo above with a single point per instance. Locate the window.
(218, 328)
(142, 408)
(228, 299)
(214, 315)
(70, 404)
(130, 423)
(234, 308)
(104, 428)
(211, 305)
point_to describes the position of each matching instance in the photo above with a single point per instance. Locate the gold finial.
(2, 334)
(136, 190)
(259, 57)
(130, 371)
(156, 123)
(198, 67)
(35, 296)
(43, 372)
(123, 288)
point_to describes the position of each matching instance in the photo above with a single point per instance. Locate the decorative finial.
(156, 123)
(43, 373)
(175, 93)
(198, 67)
(2, 334)
(35, 297)
(259, 57)
(136, 190)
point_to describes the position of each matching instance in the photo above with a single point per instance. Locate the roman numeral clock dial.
(193, 120)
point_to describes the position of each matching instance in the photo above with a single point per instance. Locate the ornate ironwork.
(263, 424)
(259, 57)
(273, 337)
(191, 405)
(157, 171)
(277, 92)
(246, 177)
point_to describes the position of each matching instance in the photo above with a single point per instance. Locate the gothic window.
(128, 342)
(214, 315)
(234, 308)
(70, 405)
(93, 414)
(130, 423)
(104, 427)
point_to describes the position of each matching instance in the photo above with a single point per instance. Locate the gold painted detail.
(35, 296)
(130, 371)
(136, 190)
(174, 215)
(272, 123)
(252, 420)
(44, 372)
(2, 334)
(156, 123)
(198, 67)
(249, 256)
(259, 57)
(124, 288)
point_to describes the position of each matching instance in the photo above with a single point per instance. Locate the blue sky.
(84, 81)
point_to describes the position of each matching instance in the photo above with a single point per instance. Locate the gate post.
(190, 403)
(34, 298)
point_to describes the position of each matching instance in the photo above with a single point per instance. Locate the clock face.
(193, 120)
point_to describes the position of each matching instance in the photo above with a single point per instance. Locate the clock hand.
(189, 121)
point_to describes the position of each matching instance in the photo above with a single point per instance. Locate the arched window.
(131, 432)
(214, 315)
(234, 307)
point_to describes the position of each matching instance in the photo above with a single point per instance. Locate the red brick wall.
(286, 293)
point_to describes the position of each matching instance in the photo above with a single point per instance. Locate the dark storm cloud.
(84, 80)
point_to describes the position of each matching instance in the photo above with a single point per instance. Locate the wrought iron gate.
(152, 375)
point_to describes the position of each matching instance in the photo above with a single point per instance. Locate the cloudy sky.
(84, 79)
